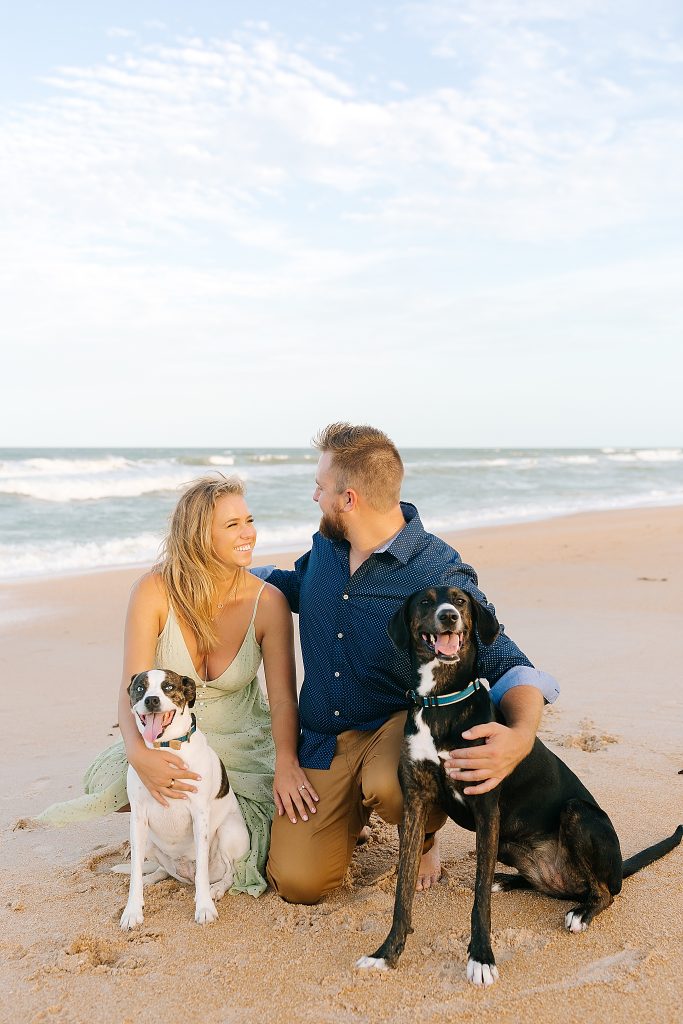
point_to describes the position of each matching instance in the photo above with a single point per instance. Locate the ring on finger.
(302, 789)
(171, 784)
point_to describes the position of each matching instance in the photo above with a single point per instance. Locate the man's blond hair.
(364, 459)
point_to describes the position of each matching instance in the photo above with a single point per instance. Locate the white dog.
(195, 839)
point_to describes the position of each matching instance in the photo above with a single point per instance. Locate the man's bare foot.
(365, 834)
(430, 867)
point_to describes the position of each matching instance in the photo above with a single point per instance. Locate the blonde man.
(370, 553)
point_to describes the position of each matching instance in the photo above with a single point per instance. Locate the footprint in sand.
(508, 942)
(101, 863)
(96, 951)
(27, 825)
(589, 738)
(604, 971)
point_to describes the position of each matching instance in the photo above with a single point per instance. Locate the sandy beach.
(594, 599)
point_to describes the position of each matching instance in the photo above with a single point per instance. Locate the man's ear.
(399, 627)
(350, 499)
(487, 623)
(189, 690)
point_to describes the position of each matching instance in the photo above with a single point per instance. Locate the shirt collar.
(404, 544)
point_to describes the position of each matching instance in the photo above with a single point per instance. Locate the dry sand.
(595, 599)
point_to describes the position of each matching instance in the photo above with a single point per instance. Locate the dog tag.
(175, 744)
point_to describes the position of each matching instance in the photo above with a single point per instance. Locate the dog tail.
(653, 853)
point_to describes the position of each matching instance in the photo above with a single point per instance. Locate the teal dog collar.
(444, 699)
(176, 744)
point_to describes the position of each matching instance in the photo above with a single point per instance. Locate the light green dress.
(235, 718)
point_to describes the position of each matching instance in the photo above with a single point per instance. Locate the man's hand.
(505, 746)
(491, 762)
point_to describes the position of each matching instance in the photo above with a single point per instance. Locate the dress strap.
(258, 598)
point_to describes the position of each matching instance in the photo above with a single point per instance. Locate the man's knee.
(382, 791)
(294, 884)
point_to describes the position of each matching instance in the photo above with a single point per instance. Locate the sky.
(232, 223)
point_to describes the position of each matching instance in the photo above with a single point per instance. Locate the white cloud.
(236, 196)
(212, 131)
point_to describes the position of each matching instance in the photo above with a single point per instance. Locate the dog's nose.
(447, 617)
(152, 702)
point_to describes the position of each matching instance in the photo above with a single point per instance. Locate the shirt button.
(345, 596)
(340, 635)
(337, 714)
(336, 675)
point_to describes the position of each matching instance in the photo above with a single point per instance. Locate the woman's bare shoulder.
(271, 595)
(149, 590)
(273, 604)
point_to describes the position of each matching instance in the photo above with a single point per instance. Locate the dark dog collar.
(444, 699)
(176, 744)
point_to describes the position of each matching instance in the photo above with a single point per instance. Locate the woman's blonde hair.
(188, 565)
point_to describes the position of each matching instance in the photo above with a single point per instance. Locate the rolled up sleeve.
(524, 675)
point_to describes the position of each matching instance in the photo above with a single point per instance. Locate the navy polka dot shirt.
(354, 677)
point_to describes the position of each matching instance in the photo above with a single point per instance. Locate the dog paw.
(481, 974)
(132, 917)
(372, 963)
(206, 914)
(219, 889)
(154, 876)
(573, 920)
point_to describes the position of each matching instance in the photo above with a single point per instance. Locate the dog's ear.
(399, 627)
(487, 623)
(132, 680)
(189, 690)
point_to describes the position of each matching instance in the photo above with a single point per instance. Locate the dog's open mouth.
(155, 723)
(444, 645)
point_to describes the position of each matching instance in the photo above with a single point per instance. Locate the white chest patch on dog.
(421, 743)
(426, 673)
(422, 748)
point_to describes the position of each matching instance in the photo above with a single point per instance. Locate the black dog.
(540, 820)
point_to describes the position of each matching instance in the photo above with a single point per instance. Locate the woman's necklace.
(220, 605)
(222, 601)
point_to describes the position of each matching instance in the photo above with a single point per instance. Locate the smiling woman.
(200, 613)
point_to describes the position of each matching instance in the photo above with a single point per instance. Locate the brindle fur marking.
(540, 820)
(225, 785)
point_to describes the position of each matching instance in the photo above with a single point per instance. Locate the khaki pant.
(309, 859)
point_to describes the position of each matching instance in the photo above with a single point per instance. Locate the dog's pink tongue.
(448, 644)
(154, 725)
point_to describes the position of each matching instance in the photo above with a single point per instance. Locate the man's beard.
(332, 526)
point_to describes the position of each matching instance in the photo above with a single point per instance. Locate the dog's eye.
(425, 604)
(167, 687)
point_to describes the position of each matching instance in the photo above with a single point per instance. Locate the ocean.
(66, 510)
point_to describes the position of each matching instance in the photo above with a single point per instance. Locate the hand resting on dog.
(506, 745)
(158, 768)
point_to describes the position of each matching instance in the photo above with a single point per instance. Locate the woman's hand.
(162, 772)
(292, 792)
